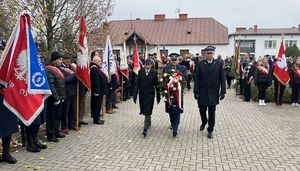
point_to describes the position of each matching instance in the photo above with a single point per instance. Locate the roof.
(192, 31)
(269, 31)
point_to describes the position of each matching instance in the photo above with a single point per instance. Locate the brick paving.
(247, 137)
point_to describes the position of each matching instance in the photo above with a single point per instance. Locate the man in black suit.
(173, 109)
(99, 89)
(146, 86)
(209, 79)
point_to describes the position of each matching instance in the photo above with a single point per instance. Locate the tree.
(56, 20)
(292, 51)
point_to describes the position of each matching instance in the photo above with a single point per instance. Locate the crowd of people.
(208, 73)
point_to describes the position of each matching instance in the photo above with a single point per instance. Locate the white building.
(182, 35)
(259, 42)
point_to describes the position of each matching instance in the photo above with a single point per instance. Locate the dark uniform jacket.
(146, 86)
(70, 80)
(294, 78)
(98, 80)
(261, 78)
(209, 82)
(57, 85)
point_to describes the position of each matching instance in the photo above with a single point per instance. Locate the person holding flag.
(281, 75)
(23, 75)
(8, 123)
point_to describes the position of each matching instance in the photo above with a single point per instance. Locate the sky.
(231, 13)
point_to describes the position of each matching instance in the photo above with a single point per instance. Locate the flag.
(237, 60)
(158, 56)
(146, 51)
(83, 66)
(23, 74)
(123, 62)
(164, 54)
(136, 61)
(109, 63)
(280, 68)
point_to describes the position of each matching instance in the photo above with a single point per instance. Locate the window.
(289, 43)
(270, 44)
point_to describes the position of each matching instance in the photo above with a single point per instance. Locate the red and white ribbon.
(175, 79)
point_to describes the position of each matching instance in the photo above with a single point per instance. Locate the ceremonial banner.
(280, 68)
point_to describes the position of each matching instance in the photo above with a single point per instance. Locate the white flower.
(172, 85)
(173, 70)
(180, 78)
(165, 74)
(171, 97)
(176, 81)
(161, 80)
(166, 91)
(174, 88)
(170, 77)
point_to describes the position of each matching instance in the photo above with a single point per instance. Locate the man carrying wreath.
(172, 88)
(209, 88)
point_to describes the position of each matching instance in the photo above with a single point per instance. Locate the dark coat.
(208, 81)
(146, 86)
(169, 108)
(294, 78)
(70, 80)
(261, 78)
(57, 85)
(8, 121)
(98, 81)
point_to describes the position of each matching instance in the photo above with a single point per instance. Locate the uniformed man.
(8, 124)
(146, 86)
(173, 109)
(209, 79)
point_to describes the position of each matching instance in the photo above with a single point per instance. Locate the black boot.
(35, 138)
(31, 147)
(6, 147)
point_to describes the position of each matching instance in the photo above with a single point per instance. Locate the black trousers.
(32, 133)
(228, 79)
(6, 144)
(262, 89)
(174, 114)
(211, 116)
(96, 105)
(241, 82)
(69, 113)
(54, 113)
(189, 81)
(147, 122)
(247, 91)
(278, 87)
(109, 99)
(295, 93)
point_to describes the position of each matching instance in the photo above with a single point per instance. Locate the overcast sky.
(231, 13)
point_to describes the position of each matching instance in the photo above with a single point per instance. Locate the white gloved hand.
(96, 94)
(57, 103)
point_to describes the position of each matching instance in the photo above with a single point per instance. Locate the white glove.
(62, 100)
(96, 94)
(57, 103)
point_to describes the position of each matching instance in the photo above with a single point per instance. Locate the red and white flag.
(136, 61)
(23, 74)
(123, 62)
(280, 68)
(83, 66)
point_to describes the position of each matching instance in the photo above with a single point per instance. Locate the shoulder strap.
(56, 70)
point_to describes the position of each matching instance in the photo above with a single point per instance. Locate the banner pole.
(77, 106)
(122, 89)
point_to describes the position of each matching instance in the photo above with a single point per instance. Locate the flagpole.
(122, 88)
(278, 88)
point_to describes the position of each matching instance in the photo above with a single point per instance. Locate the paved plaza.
(247, 137)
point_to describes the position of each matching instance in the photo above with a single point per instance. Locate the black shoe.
(33, 148)
(98, 122)
(202, 126)
(115, 107)
(210, 135)
(52, 139)
(83, 123)
(40, 145)
(8, 158)
(145, 132)
(174, 133)
(171, 127)
(60, 135)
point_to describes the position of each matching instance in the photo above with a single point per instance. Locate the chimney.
(255, 28)
(183, 16)
(299, 27)
(159, 17)
(238, 29)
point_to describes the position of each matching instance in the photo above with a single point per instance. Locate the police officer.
(174, 110)
(8, 124)
(146, 86)
(208, 80)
